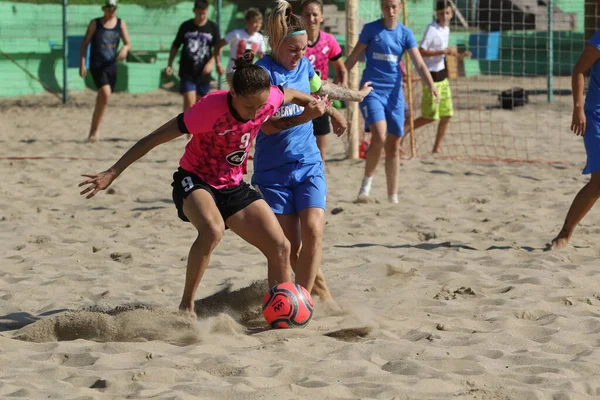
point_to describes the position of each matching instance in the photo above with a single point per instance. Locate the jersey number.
(245, 139)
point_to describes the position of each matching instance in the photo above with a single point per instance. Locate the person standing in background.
(241, 40)
(198, 36)
(104, 35)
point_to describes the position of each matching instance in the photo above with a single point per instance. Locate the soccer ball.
(287, 305)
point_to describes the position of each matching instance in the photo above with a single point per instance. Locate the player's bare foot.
(93, 138)
(331, 307)
(560, 241)
(187, 309)
(435, 150)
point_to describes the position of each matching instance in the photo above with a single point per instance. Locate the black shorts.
(321, 125)
(229, 200)
(105, 76)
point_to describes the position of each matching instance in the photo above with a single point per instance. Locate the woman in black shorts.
(104, 35)
(208, 189)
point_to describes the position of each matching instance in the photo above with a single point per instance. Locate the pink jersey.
(326, 48)
(217, 152)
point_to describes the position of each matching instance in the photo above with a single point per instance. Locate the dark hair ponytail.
(249, 78)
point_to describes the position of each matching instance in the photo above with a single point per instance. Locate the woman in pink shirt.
(322, 48)
(208, 189)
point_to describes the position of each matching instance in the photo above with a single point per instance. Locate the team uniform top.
(385, 48)
(239, 40)
(324, 49)
(296, 144)
(104, 44)
(436, 37)
(219, 146)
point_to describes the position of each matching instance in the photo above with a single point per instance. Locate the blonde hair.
(281, 22)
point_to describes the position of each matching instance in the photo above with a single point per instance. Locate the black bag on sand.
(512, 98)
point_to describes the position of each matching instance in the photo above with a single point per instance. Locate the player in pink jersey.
(208, 189)
(322, 48)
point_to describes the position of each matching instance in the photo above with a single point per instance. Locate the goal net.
(514, 44)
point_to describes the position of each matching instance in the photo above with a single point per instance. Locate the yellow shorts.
(444, 108)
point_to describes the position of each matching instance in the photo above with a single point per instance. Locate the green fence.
(31, 35)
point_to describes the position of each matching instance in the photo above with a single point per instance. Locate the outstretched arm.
(336, 92)
(101, 181)
(313, 108)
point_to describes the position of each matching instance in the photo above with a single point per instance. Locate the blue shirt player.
(585, 122)
(288, 170)
(383, 42)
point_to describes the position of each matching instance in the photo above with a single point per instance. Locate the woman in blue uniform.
(288, 169)
(586, 123)
(384, 42)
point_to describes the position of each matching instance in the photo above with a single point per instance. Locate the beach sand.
(449, 294)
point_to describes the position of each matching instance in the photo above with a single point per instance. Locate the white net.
(510, 41)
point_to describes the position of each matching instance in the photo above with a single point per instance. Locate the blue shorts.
(292, 187)
(382, 105)
(591, 139)
(201, 89)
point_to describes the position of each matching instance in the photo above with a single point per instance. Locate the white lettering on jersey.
(385, 57)
(289, 110)
(325, 50)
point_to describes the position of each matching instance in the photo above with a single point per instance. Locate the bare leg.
(189, 99)
(392, 165)
(312, 222)
(421, 121)
(101, 103)
(257, 225)
(291, 226)
(201, 210)
(377, 130)
(583, 202)
(441, 132)
(322, 143)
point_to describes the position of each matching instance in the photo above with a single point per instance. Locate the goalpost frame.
(353, 79)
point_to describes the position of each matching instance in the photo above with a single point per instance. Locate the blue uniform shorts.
(382, 105)
(292, 187)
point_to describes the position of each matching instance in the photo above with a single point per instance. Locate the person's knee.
(210, 235)
(103, 94)
(312, 230)
(392, 144)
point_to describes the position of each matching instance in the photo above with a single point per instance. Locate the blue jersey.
(385, 48)
(297, 144)
(592, 99)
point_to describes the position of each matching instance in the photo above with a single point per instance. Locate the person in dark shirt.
(198, 36)
(104, 34)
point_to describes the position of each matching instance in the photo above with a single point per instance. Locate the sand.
(448, 295)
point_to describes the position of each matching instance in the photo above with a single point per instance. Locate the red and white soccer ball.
(287, 305)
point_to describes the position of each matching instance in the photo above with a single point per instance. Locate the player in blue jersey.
(288, 169)
(585, 122)
(383, 42)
